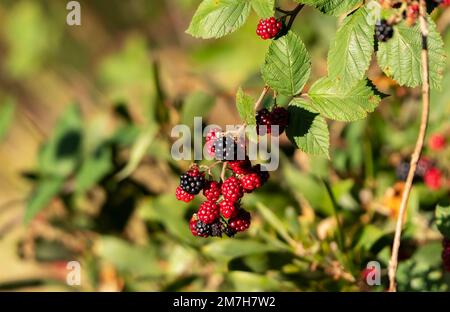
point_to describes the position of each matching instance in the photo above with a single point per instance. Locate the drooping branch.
(393, 263)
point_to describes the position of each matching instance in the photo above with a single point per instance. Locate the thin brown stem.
(261, 98)
(293, 15)
(393, 263)
(224, 168)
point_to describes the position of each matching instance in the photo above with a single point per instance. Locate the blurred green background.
(85, 119)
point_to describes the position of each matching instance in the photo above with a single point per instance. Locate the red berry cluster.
(269, 28)
(446, 254)
(221, 212)
(277, 117)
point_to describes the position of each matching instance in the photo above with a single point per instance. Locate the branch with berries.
(222, 211)
(402, 30)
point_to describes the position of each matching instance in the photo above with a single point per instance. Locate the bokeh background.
(86, 172)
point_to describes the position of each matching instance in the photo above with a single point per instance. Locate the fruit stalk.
(393, 263)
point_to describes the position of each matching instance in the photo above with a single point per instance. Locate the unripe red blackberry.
(232, 189)
(183, 196)
(250, 182)
(446, 254)
(412, 13)
(193, 226)
(228, 208)
(208, 212)
(263, 175)
(212, 190)
(383, 31)
(240, 222)
(437, 142)
(269, 28)
(263, 122)
(433, 178)
(240, 166)
(211, 136)
(192, 181)
(279, 117)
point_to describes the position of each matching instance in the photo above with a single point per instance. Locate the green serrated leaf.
(332, 7)
(351, 51)
(332, 102)
(308, 131)
(264, 8)
(443, 219)
(245, 107)
(217, 18)
(400, 57)
(287, 66)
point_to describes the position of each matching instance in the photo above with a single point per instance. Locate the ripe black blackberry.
(402, 170)
(217, 228)
(192, 183)
(280, 117)
(229, 231)
(226, 148)
(263, 121)
(383, 31)
(203, 229)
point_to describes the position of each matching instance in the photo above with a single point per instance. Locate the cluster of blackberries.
(265, 119)
(426, 171)
(383, 30)
(269, 28)
(222, 213)
(446, 254)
